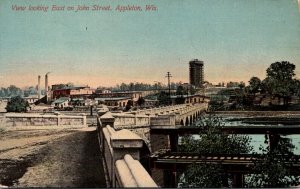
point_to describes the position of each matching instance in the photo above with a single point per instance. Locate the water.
(258, 140)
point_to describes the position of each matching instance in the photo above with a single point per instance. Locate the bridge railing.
(130, 173)
(164, 120)
(122, 119)
(159, 110)
(29, 120)
(121, 154)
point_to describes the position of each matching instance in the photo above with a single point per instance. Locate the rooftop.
(61, 100)
(113, 98)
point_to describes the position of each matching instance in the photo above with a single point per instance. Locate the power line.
(168, 76)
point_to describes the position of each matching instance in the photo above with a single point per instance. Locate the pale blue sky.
(236, 39)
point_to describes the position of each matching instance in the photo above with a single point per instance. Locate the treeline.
(12, 91)
(280, 83)
(143, 86)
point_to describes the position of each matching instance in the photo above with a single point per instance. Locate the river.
(258, 140)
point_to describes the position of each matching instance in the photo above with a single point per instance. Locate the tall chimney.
(46, 86)
(39, 87)
(46, 83)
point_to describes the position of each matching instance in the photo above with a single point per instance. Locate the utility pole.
(168, 76)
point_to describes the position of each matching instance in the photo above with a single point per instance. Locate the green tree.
(17, 104)
(254, 85)
(275, 169)
(2, 92)
(180, 90)
(297, 88)
(128, 105)
(211, 142)
(10, 91)
(179, 93)
(140, 101)
(163, 98)
(242, 85)
(279, 81)
(123, 87)
(14, 91)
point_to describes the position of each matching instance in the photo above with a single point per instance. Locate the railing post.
(107, 119)
(124, 142)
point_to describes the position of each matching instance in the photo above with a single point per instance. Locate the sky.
(236, 39)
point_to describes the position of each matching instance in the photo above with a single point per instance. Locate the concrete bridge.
(141, 121)
(125, 138)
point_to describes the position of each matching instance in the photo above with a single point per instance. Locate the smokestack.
(46, 87)
(46, 82)
(39, 87)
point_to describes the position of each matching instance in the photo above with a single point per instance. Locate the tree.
(211, 142)
(297, 88)
(254, 85)
(242, 85)
(163, 98)
(279, 81)
(3, 92)
(123, 87)
(217, 102)
(275, 169)
(17, 104)
(180, 90)
(14, 91)
(30, 91)
(10, 91)
(128, 105)
(140, 101)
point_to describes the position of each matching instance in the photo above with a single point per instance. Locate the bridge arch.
(182, 122)
(187, 121)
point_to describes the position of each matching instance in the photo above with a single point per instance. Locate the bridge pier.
(170, 178)
(173, 137)
(273, 140)
(238, 180)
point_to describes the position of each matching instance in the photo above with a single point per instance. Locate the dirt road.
(50, 158)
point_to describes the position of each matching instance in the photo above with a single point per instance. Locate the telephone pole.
(168, 76)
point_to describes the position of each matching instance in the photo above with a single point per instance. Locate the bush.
(17, 104)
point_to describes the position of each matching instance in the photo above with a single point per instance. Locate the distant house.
(81, 102)
(113, 101)
(31, 99)
(71, 91)
(61, 103)
(150, 103)
(133, 95)
(105, 91)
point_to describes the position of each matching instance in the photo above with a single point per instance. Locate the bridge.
(125, 138)
(160, 128)
(237, 165)
(165, 159)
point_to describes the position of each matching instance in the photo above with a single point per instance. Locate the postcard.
(114, 93)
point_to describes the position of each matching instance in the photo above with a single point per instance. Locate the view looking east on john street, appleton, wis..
(152, 93)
